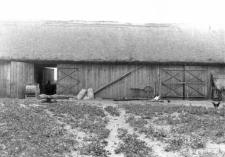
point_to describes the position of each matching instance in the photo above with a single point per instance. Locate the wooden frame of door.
(178, 85)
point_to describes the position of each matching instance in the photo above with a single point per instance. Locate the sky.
(133, 11)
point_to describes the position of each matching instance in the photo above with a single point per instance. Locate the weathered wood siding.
(4, 79)
(21, 74)
(97, 75)
(15, 75)
(197, 78)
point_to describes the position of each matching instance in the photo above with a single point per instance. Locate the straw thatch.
(85, 41)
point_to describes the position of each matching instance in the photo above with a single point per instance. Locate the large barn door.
(184, 82)
(67, 80)
(195, 85)
(172, 83)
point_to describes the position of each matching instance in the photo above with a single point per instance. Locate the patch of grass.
(211, 154)
(156, 110)
(136, 122)
(190, 125)
(175, 144)
(78, 111)
(167, 120)
(113, 111)
(121, 132)
(179, 142)
(210, 126)
(24, 132)
(95, 149)
(133, 147)
(153, 132)
(197, 142)
(88, 118)
(159, 134)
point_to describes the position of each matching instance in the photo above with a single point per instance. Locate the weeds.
(136, 122)
(133, 147)
(113, 111)
(197, 142)
(26, 130)
(121, 132)
(27, 133)
(175, 144)
(88, 118)
(95, 149)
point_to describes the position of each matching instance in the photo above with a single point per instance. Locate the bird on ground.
(157, 98)
(216, 105)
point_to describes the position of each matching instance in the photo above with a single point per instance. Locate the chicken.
(216, 105)
(157, 98)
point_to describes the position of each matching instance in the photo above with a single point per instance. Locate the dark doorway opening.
(46, 76)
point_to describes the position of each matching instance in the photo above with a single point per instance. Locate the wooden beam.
(118, 79)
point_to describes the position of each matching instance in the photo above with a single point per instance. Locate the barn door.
(195, 85)
(172, 83)
(184, 82)
(68, 80)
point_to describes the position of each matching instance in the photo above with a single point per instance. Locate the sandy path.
(113, 140)
(113, 125)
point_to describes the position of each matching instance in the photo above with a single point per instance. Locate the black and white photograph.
(112, 78)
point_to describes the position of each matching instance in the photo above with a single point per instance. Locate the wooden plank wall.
(97, 75)
(21, 74)
(15, 75)
(4, 79)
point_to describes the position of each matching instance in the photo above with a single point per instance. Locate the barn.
(117, 60)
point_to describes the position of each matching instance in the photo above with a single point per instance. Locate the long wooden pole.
(118, 79)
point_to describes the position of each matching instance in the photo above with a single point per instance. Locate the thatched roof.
(101, 41)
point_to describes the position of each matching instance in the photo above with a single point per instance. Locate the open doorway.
(46, 76)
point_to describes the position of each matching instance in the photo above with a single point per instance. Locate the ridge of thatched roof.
(111, 42)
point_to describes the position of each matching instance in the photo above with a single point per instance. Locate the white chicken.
(157, 98)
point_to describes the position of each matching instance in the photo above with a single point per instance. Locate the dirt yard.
(111, 129)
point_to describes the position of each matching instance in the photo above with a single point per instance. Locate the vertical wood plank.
(8, 79)
(1, 79)
(12, 80)
(17, 79)
(58, 87)
(19, 75)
